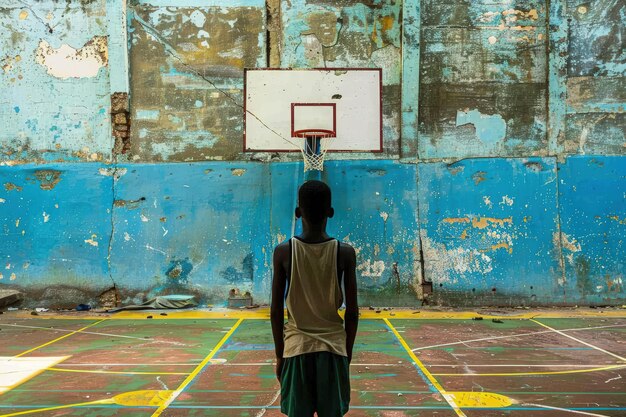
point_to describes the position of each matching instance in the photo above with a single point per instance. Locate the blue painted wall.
(502, 180)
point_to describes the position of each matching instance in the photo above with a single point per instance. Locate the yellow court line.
(96, 371)
(425, 371)
(59, 338)
(573, 371)
(394, 314)
(599, 349)
(59, 407)
(196, 371)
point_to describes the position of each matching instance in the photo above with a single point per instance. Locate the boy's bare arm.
(277, 313)
(352, 305)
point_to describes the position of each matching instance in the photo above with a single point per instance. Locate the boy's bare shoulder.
(282, 250)
(347, 251)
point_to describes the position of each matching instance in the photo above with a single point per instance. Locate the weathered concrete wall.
(54, 81)
(502, 181)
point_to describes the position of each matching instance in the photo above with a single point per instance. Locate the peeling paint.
(9, 186)
(489, 128)
(67, 62)
(48, 178)
(368, 268)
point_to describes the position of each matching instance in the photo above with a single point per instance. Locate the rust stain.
(48, 178)
(452, 220)
(483, 222)
(9, 186)
(479, 177)
(613, 285)
(386, 22)
(502, 245)
(464, 234)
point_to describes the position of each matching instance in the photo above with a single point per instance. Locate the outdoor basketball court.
(407, 363)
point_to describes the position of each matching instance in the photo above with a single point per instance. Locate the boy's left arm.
(351, 318)
(277, 312)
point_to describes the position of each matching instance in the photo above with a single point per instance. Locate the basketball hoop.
(314, 144)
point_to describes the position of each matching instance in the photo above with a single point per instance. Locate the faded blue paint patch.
(56, 225)
(206, 223)
(16, 109)
(490, 129)
(593, 222)
(485, 224)
(145, 114)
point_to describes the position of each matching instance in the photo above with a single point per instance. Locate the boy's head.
(314, 202)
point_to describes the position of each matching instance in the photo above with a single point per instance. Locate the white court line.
(513, 336)
(264, 409)
(523, 366)
(580, 341)
(584, 413)
(53, 329)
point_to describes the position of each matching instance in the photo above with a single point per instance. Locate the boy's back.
(313, 299)
(313, 349)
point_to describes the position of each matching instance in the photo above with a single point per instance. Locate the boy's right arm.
(277, 312)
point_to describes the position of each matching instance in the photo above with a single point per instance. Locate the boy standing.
(314, 349)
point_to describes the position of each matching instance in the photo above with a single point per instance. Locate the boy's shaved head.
(314, 201)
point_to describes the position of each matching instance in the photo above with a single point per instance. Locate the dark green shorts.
(315, 382)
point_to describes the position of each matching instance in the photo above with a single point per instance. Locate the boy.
(313, 349)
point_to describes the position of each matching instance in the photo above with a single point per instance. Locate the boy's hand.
(279, 368)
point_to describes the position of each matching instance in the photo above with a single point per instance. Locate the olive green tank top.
(313, 299)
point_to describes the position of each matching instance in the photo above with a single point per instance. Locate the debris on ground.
(174, 301)
(83, 307)
(41, 309)
(8, 297)
(236, 300)
(497, 321)
(477, 318)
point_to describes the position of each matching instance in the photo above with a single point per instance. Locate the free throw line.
(196, 371)
(449, 399)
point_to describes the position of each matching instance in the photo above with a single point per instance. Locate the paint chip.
(13, 276)
(67, 62)
(46, 217)
(23, 15)
(492, 39)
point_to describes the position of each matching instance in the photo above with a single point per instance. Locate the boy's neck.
(313, 232)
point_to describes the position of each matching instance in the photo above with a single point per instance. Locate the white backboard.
(345, 100)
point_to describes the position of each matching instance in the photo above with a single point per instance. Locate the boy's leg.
(297, 390)
(333, 385)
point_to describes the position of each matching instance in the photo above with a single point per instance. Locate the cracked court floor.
(406, 363)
